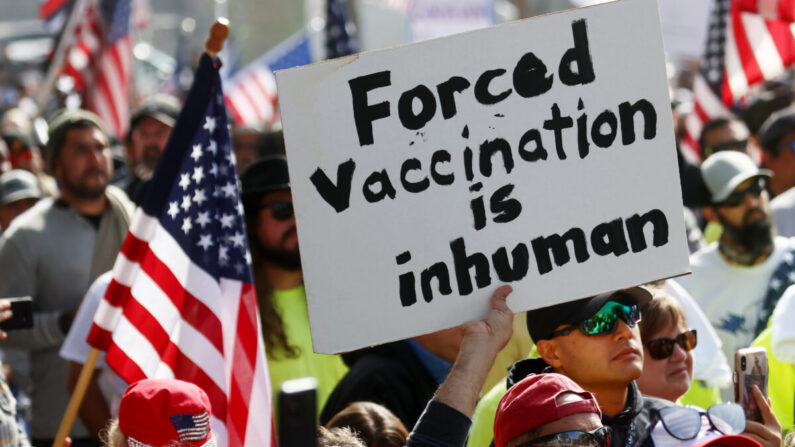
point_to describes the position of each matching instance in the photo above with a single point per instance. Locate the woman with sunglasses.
(667, 349)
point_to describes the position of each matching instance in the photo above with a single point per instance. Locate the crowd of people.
(647, 365)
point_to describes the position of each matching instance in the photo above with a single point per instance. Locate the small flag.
(747, 44)
(251, 92)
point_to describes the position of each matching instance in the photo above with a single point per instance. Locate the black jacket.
(390, 375)
(631, 427)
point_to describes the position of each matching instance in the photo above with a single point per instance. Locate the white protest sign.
(538, 153)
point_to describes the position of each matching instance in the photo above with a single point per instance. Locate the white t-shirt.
(75, 348)
(732, 295)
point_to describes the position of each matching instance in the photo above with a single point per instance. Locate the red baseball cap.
(532, 403)
(161, 412)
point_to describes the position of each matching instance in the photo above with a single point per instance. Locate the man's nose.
(623, 331)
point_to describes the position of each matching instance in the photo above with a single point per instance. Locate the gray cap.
(162, 107)
(18, 184)
(724, 171)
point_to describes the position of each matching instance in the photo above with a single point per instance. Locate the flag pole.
(77, 398)
(213, 45)
(218, 33)
(76, 15)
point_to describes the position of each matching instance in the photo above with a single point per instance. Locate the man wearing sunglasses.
(738, 280)
(723, 134)
(595, 342)
(278, 278)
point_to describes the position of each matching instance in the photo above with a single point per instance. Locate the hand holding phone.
(750, 368)
(21, 315)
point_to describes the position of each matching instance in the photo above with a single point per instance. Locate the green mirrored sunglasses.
(605, 321)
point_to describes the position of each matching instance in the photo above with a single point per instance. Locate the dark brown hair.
(373, 423)
(663, 312)
(276, 344)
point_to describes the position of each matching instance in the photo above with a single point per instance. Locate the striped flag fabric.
(770, 9)
(182, 303)
(251, 92)
(54, 13)
(100, 58)
(708, 82)
(756, 44)
(107, 79)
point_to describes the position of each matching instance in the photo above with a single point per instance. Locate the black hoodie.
(631, 426)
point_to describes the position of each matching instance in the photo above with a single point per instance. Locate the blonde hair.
(111, 436)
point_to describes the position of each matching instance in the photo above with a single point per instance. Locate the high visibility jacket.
(780, 383)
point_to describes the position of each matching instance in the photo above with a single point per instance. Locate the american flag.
(109, 71)
(182, 302)
(54, 13)
(708, 82)
(251, 92)
(100, 61)
(340, 30)
(744, 48)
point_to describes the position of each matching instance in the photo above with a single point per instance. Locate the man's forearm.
(461, 388)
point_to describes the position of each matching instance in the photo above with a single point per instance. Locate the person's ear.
(550, 352)
(766, 157)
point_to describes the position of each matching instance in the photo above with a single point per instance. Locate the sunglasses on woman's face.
(599, 437)
(662, 348)
(606, 320)
(684, 423)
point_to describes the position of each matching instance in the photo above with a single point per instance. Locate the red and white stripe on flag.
(770, 9)
(251, 97)
(162, 317)
(108, 86)
(757, 49)
(706, 106)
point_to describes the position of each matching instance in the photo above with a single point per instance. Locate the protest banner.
(538, 153)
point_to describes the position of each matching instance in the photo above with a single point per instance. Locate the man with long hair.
(276, 262)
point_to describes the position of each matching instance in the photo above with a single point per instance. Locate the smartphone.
(750, 368)
(22, 318)
(298, 412)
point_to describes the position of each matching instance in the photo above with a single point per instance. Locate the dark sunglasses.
(735, 145)
(606, 320)
(599, 437)
(662, 348)
(738, 197)
(684, 423)
(280, 210)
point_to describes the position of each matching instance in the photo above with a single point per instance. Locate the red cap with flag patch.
(161, 412)
(532, 402)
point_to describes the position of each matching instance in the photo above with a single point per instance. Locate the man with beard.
(54, 251)
(150, 127)
(278, 278)
(738, 279)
